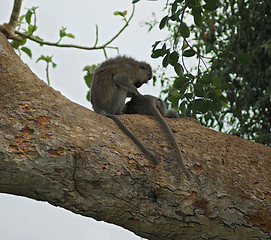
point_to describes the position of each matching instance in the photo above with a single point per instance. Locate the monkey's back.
(144, 105)
(106, 95)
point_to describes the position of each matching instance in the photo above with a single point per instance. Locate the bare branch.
(9, 28)
(54, 150)
(15, 13)
(37, 40)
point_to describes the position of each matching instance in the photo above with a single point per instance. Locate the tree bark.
(54, 150)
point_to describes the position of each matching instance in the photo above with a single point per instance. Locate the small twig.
(186, 42)
(47, 73)
(37, 40)
(97, 36)
(127, 23)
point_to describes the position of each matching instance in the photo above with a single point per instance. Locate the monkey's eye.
(143, 67)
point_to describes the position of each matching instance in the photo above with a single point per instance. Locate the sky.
(26, 219)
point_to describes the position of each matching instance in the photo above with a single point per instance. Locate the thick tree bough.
(54, 150)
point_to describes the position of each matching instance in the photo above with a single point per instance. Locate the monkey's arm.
(123, 81)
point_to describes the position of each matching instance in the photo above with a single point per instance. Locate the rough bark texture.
(54, 150)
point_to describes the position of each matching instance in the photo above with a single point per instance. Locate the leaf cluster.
(27, 24)
(228, 45)
(190, 93)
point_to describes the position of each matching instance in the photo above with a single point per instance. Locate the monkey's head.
(143, 74)
(139, 71)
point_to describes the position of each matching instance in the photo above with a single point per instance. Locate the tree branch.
(105, 45)
(15, 13)
(54, 150)
(9, 28)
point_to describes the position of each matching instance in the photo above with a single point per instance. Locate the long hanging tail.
(132, 136)
(170, 135)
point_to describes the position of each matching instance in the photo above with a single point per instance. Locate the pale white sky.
(25, 219)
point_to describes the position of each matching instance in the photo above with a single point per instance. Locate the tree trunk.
(54, 150)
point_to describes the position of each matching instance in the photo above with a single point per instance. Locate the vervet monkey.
(150, 105)
(113, 81)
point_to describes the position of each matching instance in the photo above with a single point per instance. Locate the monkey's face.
(143, 75)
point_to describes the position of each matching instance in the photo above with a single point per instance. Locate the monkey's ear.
(123, 81)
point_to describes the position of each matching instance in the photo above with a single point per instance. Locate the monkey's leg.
(133, 137)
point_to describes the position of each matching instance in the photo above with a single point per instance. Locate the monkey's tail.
(172, 139)
(132, 136)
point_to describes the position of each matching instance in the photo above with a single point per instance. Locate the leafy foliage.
(29, 20)
(48, 60)
(30, 23)
(229, 44)
(89, 76)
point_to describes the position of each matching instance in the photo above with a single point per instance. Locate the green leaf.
(189, 53)
(27, 51)
(135, 1)
(45, 58)
(200, 105)
(31, 29)
(62, 32)
(243, 58)
(163, 22)
(174, 7)
(88, 80)
(173, 58)
(196, 12)
(88, 96)
(155, 44)
(173, 92)
(70, 35)
(21, 18)
(53, 64)
(28, 16)
(183, 89)
(184, 30)
(217, 82)
(90, 68)
(218, 92)
(178, 69)
(192, 3)
(15, 44)
(165, 61)
(224, 104)
(211, 5)
(157, 53)
(183, 107)
(198, 89)
(119, 13)
(180, 82)
(189, 96)
(206, 79)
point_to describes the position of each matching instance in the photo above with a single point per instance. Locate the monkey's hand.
(130, 94)
(123, 81)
